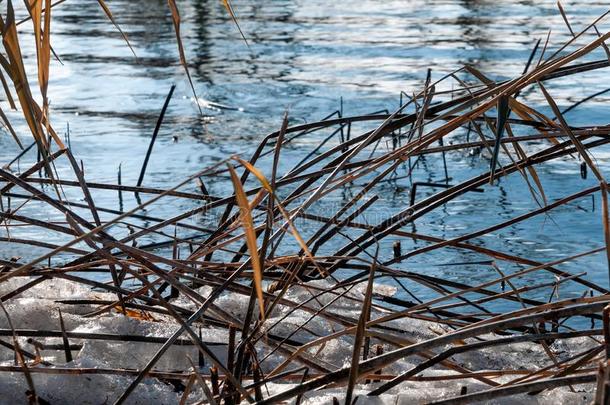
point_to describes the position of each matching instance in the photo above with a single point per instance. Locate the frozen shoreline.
(36, 309)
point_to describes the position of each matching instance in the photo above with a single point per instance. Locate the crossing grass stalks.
(248, 253)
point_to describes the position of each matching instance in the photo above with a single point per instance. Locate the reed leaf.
(577, 144)
(267, 186)
(603, 186)
(565, 18)
(359, 336)
(176, 20)
(16, 71)
(229, 7)
(245, 216)
(108, 13)
(503, 113)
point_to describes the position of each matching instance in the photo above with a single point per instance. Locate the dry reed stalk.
(268, 203)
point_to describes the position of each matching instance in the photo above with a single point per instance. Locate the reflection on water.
(305, 56)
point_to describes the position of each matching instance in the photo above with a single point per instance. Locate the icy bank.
(37, 309)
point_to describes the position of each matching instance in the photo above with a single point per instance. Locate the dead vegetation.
(273, 231)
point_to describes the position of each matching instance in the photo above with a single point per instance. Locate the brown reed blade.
(176, 20)
(248, 225)
(229, 7)
(108, 13)
(359, 336)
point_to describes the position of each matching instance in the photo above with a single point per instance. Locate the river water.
(309, 57)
